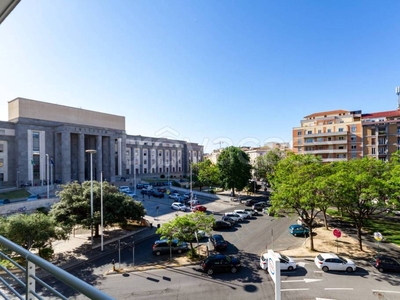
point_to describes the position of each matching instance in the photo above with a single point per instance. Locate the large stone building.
(44, 140)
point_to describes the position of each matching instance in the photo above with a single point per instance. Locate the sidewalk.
(78, 249)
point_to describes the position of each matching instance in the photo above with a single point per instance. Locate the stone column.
(66, 157)
(112, 158)
(81, 157)
(99, 154)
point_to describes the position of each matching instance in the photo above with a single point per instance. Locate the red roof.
(389, 113)
(324, 113)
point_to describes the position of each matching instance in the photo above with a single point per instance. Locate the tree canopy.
(32, 231)
(74, 207)
(234, 168)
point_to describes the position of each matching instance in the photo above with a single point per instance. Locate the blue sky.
(240, 72)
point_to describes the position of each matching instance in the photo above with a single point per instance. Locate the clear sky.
(237, 71)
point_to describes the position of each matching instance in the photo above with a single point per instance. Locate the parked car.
(199, 208)
(251, 202)
(229, 219)
(163, 246)
(218, 242)
(147, 192)
(33, 198)
(4, 201)
(174, 196)
(131, 194)
(178, 206)
(330, 261)
(251, 211)
(124, 188)
(120, 178)
(285, 262)
(158, 194)
(26, 184)
(193, 202)
(139, 186)
(242, 213)
(234, 216)
(297, 230)
(219, 224)
(220, 263)
(187, 195)
(259, 206)
(386, 263)
(162, 189)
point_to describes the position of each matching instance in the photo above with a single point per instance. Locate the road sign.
(378, 236)
(337, 233)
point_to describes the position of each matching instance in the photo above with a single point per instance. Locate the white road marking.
(382, 291)
(289, 290)
(343, 289)
(323, 299)
(302, 264)
(306, 280)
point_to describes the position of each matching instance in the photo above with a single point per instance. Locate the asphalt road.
(246, 241)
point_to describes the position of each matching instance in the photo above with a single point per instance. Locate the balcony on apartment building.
(333, 159)
(325, 151)
(327, 142)
(336, 133)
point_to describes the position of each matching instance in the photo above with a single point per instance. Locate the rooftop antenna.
(398, 96)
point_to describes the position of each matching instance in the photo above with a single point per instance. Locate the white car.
(244, 214)
(234, 216)
(251, 211)
(174, 196)
(131, 194)
(286, 262)
(330, 261)
(178, 206)
(193, 202)
(124, 189)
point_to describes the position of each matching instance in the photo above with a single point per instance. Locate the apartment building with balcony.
(381, 134)
(332, 135)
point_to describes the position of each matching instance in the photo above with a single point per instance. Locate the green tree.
(74, 207)
(185, 228)
(361, 186)
(205, 174)
(234, 168)
(32, 231)
(265, 165)
(295, 188)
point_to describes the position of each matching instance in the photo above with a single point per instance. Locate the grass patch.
(386, 225)
(17, 194)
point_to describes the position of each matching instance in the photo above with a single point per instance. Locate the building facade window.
(353, 128)
(298, 132)
(340, 129)
(35, 141)
(353, 147)
(329, 130)
(309, 140)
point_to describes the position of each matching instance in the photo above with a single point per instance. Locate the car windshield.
(343, 260)
(284, 257)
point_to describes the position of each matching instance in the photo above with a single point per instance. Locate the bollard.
(113, 265)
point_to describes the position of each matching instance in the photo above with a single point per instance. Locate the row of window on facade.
(329, 130)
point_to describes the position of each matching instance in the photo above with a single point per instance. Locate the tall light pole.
(101, 208)
(47, 177)
(191, 190)
(91, 191)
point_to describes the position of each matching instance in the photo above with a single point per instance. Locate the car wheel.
(158, 253)
(233, 270)
(349, 269)
(325, 269)
(380, 269)
(210, 271)
(179, 251)
(290, 268)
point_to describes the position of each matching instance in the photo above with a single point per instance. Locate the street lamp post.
(101, 212)
(47, 177)
(91, 191)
